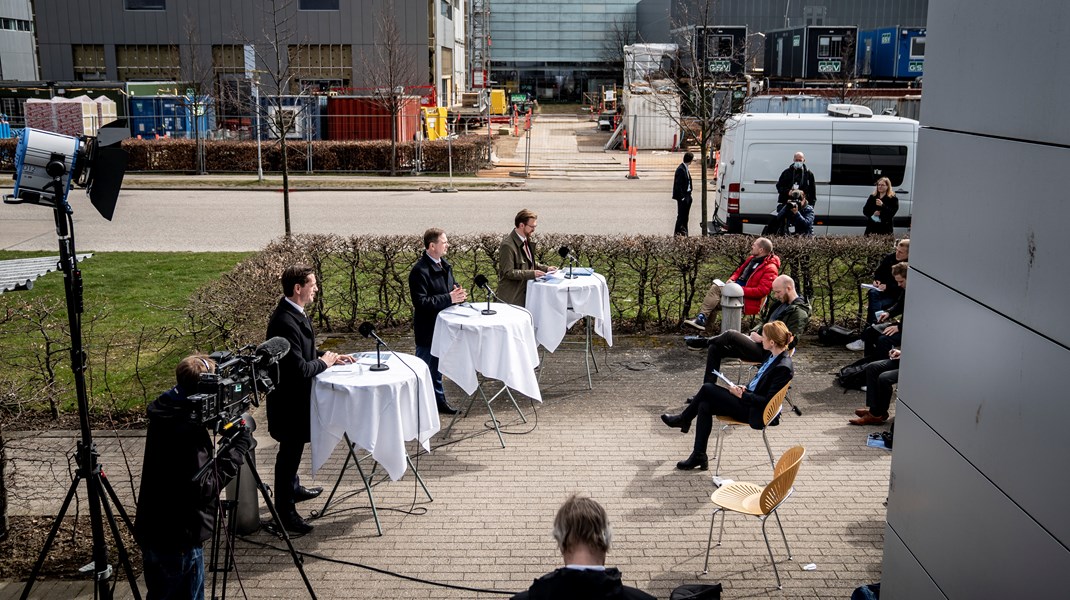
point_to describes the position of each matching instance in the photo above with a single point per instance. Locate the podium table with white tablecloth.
(557, 303)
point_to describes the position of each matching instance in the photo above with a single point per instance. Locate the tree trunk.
(3, 487)
(285, 185)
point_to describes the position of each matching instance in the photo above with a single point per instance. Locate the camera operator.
(175, 512)
(795, 217)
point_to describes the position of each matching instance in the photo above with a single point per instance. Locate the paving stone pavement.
(489, 524)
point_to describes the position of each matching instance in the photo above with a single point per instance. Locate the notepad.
(368, 358)
(721, 376)
(867, 286)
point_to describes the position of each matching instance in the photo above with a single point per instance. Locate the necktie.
(527, 251)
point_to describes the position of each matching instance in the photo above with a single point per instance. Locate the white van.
(847, 150)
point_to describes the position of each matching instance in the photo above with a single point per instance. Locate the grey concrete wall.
(62, 23)
(18, 61)
(977, 506)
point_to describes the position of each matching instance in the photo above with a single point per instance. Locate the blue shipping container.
(891, 53)
(169, 116)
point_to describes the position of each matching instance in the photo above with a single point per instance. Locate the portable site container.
(304, 117)
(652, 120)
(361, 118)
(809, 52)
(170, 116)
(891, 52)
(721, 50)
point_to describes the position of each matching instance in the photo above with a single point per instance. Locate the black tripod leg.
(124, 558)
(51, 538)
(334, 489)
(278, 523)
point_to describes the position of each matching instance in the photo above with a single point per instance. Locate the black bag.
(853, 376)
(836, 335)
(696, 591)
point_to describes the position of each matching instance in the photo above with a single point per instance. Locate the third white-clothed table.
(556, 303)
(499, 346)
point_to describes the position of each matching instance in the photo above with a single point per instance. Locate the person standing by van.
(880, 208)
(797, 177)
(681, 192)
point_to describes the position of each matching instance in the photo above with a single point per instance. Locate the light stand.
(88, 468)
(378, 366)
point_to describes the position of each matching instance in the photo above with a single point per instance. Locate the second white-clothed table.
(378, 410)
(556, 303)
(499, 346)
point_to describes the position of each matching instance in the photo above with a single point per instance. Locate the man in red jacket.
(755, 276)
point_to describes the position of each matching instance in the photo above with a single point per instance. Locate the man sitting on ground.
(755, 276)
(887, 333)
(881, 375)
(788, 306)
(582, 531)
(887, 292)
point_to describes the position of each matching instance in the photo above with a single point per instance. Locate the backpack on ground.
(853, 376)
(696, 591)
(836, 335)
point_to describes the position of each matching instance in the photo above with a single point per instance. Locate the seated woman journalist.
(743, 403)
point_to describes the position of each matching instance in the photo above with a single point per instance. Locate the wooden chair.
(750, 499)
(772, 409)
(744, 364)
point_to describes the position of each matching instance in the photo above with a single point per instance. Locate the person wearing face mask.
(880, 208)
(797, 177)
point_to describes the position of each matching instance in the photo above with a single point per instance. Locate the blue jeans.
(424, 354)
(877, 301)
(174, 574)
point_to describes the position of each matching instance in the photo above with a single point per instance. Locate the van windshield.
(864, 164)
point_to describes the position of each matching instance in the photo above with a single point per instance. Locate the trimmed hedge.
(179, 155)
(654, 282)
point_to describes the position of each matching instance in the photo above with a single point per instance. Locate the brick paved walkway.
(489, 524)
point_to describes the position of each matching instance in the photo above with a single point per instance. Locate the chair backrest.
(772, 408)
(784, 473)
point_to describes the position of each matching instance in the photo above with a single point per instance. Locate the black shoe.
(445, 409)
(689, 400)
(303, 493)
(294, 523)
(697, 459)
(677, 421)
(696, 342)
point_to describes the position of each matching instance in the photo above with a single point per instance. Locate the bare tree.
(195, 69)
(707, 74)
(839, 70)
(621, 33)
(390, 67)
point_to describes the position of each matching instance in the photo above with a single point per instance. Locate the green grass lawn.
(134, 327)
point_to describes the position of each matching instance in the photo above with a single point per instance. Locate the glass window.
(145, 4)
(917, 47)
(719, 46)
(317, 5)
(864, 164)
(829, 46)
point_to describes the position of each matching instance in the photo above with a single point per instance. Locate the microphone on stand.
(565, 253)
(481, 281)
(366, 329)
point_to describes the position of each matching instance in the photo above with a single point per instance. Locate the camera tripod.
(229, 508)
(89, 469)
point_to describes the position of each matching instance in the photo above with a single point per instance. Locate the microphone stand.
(570, 275)
(378, 366)
(488, 310)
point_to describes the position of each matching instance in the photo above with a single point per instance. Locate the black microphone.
(366, 329)
(481, 281)
(565, 253)
(270, 351)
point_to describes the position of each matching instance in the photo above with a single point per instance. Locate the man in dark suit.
(516, 259)
(433, 289)
(289, 404)
(681, 192)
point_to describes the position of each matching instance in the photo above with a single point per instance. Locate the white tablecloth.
(500, 346)
(558, 303)
(380, 410)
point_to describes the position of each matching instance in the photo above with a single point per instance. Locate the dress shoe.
(294, 523)
(689, 400)
(869, 419)
(861, 412)
(303, 493)
(696, 342)
(696, 460)
(676, 421)
(446, 409)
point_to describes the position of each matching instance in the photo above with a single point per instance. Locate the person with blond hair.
(583, 535)
(517, 262)
(880, 208)
(741, 402)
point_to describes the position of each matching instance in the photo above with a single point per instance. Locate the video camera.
(238, 381)
(795, 200)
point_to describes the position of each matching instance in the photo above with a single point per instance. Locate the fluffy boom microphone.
(270, 351)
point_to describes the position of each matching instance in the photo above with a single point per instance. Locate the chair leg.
(786, 547)
(709, 541)
(771, 559)
(765, 438)
(718, 445)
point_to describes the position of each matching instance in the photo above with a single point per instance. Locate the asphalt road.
(240, 220)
